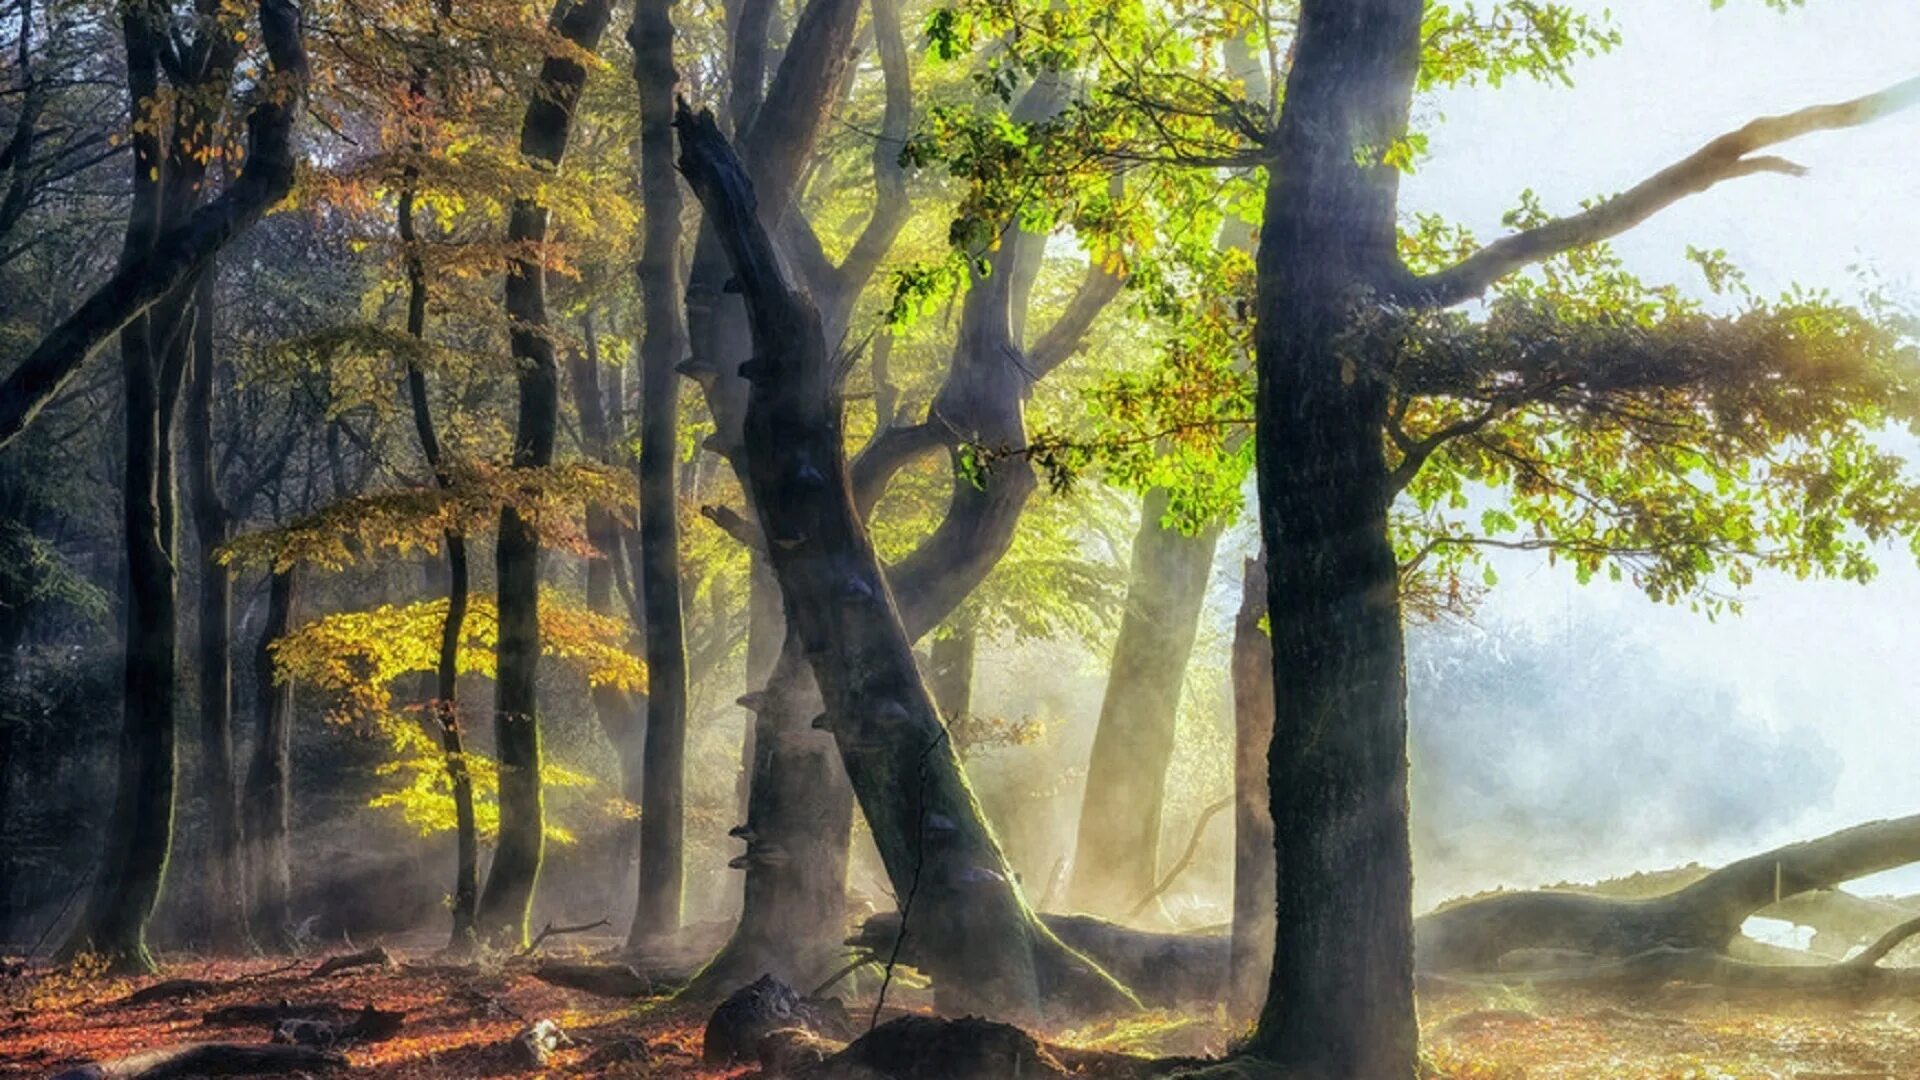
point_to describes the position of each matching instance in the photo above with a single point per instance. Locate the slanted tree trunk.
(984, 945)
(1251, 957)
(1116, 858)
(1340, 999)
(1706, 915)
(445, 708)
(266, 800)
(793, 896)
(507, 899)
(663, 811)
(213, 659)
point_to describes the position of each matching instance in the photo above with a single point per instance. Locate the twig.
(1180, 865)
(913, 885)
(551, 930)
(860, 961)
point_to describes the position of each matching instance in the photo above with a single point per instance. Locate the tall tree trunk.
(140, 829)
(1251, 956)
(507, 899)
(622, 716)
(213, 659)
(266, 800)
(445, 707)
(985, 947)
(663, 812)
(1340, 999)
(1116, 858)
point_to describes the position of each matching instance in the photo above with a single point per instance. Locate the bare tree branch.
(1725, 158)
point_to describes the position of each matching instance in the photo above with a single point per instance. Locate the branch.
(729, 521)
(1186, 857)
(552, 931)
(1725, 158)
(183, 251)
(1096, 291)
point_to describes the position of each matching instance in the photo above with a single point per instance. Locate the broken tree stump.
(762, 1007)
(209, 1059)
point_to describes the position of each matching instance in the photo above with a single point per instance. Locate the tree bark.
(1340, 999)
(1250, 960)
(985, 947)
(267, 798)
(507, 899)
(1116, 858)
(226, 899)
(663, 811)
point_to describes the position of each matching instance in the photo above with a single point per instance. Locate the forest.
(964, 539)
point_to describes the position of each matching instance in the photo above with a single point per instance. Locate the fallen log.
(333, 965)
(1162, 969)
(209, 1059)
(1703, 916)
(606, 980)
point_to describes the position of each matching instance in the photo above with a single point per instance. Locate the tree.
(168, 245)
(507, 896)
(982, 941)
(662, 816)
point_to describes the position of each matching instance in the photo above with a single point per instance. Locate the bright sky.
(1840, 658)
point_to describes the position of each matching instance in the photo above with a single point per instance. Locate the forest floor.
(459, 1025)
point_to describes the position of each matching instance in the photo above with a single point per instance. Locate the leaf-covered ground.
(458, 1025)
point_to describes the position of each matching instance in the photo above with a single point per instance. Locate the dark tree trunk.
(1340, 999)
(445, 707)
(1116, 858)
(1251, 958)
(507, 899)
(139, 831)
(213, 660)
(984, 945)
(266, 801)
(663, 813)
(793, 903)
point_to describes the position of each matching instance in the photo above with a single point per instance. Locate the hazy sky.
(1842, 659)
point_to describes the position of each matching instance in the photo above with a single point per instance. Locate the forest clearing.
(959, 539)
